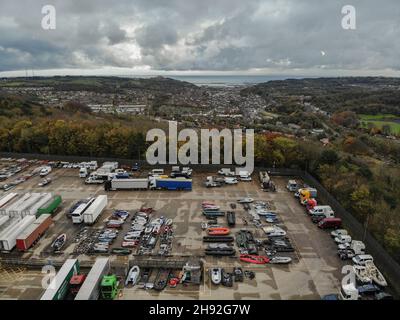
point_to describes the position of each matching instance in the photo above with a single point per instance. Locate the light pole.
(366, 226)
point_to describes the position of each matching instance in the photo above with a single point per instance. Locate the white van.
(156, 172)
(45, 171)
(292, 186)
(322, 210)
(83, 172)
(230, 180)
(343, 239)
(362, 259)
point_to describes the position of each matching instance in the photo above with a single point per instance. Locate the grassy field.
(381, 120)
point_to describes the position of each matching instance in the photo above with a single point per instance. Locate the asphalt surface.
(314, 272)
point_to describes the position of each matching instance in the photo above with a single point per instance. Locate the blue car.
(330, 297)
(368, 289)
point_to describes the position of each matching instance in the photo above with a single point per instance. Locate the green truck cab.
(109, 287)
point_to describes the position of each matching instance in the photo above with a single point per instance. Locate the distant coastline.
(225, 81)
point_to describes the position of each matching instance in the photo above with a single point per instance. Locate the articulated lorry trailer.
(91, 214)
(127, 184)
(8, 239)
(151, 183)
(32, 210)
(23, 208)
(90, 289)
(59, 286)
(7, 210)
(171, 184)
(50, 206)
(34, 232)
(5, 201)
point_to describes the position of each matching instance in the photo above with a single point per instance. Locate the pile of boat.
(117, 219)
(220, 249)
(277, 244)
(367, 273)
(217, 235)
(210, 210)
(221, 276)
(246, 242)
(140, 277)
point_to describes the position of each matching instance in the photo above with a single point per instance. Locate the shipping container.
(51, 206)
(33, 233)
(92, 213)
(59, 286)
(8, 239)
(90, 289)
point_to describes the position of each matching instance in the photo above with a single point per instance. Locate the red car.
(330, 223)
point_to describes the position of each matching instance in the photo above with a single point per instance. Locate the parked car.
(330, 223)
(368, 289)
(230, 180)
(338, 232)
(362, 258)
(343, 239)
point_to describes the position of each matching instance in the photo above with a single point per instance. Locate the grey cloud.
(200, 35)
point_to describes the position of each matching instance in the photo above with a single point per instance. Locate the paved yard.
(315, 270)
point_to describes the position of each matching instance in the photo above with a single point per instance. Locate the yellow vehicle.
(306, 194)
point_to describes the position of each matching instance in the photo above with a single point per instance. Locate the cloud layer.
(192, 35)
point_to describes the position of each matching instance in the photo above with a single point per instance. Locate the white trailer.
(7, 224)
(32, 210)
(6, 200)
(117, 184)
(95, 209)
(110, 164)
(3, 220)
(77, 214)
(90, 289)
(8, 240)
(18, 211)
(58, 288)
(13, 206)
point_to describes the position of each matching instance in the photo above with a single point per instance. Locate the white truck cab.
(83, 172)
(292, 185)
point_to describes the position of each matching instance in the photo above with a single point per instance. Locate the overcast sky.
(303, 37)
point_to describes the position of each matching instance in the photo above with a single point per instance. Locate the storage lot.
(314, 272)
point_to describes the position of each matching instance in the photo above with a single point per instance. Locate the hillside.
(363, 95)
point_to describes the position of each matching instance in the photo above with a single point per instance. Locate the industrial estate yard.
(315, 270)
